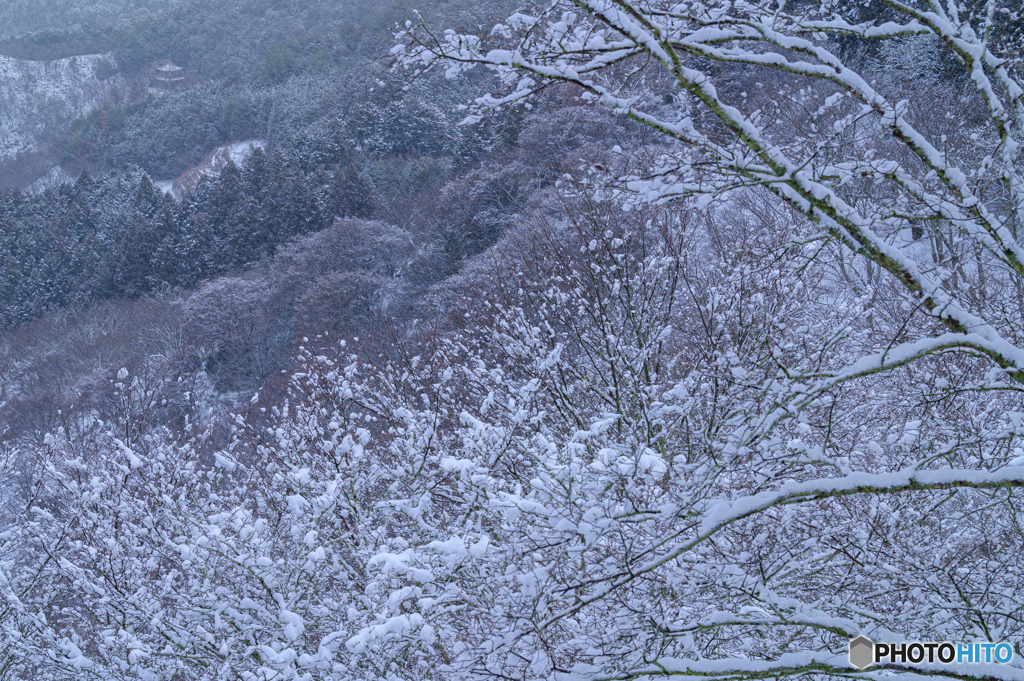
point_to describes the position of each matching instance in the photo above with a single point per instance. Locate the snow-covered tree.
(596, 474)
(712, 406)
(874, 363)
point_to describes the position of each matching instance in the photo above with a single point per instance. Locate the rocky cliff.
(39, 98)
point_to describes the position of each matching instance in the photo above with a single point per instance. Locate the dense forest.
(343, 139)
(595, 339)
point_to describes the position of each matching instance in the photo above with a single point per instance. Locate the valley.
(565, 341)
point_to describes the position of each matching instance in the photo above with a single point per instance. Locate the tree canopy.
(713, 387)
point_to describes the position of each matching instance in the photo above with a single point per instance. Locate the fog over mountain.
(579, 340)
(21, 17)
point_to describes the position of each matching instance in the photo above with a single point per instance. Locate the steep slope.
(38, 98)
(18, 17)
(211, 166)
(56, 177)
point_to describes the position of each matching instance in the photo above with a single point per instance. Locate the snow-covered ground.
(39, 97)
(211, 166)
(56, 176)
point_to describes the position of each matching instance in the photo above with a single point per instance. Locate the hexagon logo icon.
(862, 652)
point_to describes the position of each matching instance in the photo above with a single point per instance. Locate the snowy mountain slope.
(37, 98)
(57, 176)
(211, 166)
(20, 17)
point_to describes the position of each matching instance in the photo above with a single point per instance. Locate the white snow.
(212, 165)
(39, 97)
(56, 176)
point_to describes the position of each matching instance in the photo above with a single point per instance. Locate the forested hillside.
(267, 69)
(596, 339)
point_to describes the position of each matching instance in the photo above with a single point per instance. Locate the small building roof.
(165, 72)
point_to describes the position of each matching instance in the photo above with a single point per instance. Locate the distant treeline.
(119, 236)
(271, 69)
(319, 118)
(260, 40)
